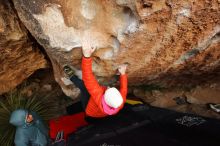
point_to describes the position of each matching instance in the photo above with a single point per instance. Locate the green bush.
(43, 106)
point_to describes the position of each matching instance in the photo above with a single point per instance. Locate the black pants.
(84, 95)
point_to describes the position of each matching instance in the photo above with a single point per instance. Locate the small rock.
(29, 93)
(180, 100)
(164, 102)
(213, 85)
(139, 93)
(157, 93)
(47, 87)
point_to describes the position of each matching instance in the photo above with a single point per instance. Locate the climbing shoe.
(68, 70)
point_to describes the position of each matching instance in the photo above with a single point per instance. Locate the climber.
(30, 130)
(98, 101)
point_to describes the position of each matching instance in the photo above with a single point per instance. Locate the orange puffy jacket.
(94, 107)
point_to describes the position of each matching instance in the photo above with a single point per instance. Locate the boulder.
(19, 55)
(168, 43)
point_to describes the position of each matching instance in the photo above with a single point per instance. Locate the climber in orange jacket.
(103, 101)
(99, 101)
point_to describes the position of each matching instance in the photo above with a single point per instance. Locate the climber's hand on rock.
(122, 69)
(88, 45)
(87, 52)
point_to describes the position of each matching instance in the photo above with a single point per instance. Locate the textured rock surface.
(166, 42)
(204, 94)
(193, 101)
(19, 57)
(166, 98)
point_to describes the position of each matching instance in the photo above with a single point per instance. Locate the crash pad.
(67, 123)
(141, 125)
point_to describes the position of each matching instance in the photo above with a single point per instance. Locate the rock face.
(165, 42)
(19, 56)
(166, 98)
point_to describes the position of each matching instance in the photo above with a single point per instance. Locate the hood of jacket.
(18, 117)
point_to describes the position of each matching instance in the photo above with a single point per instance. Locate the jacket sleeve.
(93, 87)
(21, 143)
(21, 138)
(123, 86)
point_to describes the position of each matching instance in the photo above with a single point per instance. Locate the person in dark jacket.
(30, 130)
